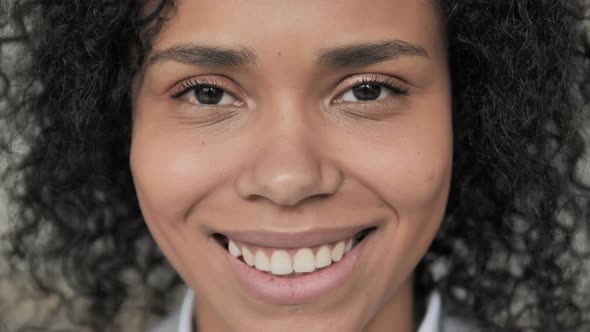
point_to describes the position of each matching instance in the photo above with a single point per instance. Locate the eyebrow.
(360, 55)
(355, 55)
(205, 55)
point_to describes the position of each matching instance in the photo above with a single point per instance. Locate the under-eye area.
(291, 262)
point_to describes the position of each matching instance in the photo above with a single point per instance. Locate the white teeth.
(348, 246)
(338, 251)
(323, 257)
(304, 261)
(248, 257)
(280, 263)
(284, 262)
(233, 249)
(261, 261)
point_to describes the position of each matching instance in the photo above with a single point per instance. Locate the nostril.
(286, 199)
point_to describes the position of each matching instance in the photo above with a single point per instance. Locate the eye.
(204, 93)
(371, 90)
(365, 92)
(210, 95)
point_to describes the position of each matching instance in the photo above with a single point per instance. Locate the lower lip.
(296, 289)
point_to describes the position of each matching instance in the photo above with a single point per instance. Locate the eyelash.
(387, 83)
(193, 84)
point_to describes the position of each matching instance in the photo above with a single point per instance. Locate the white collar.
(430, 323)
(186, 312)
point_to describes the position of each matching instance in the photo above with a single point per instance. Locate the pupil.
(366, 91)
(208, 95)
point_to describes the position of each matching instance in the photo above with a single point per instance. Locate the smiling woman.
(302, 166)
(304, 142)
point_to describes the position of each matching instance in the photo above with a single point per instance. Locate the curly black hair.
(511, 250)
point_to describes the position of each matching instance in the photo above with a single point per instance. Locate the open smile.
(291, 261)
(291, 274)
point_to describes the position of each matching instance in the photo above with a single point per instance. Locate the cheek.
(421, 186)
(412, 177)
(171, 171)
(411, 170)
(418, 193)
(423, 159)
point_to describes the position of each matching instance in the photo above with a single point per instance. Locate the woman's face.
(289, 128)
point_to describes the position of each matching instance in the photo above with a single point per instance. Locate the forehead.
(299, 29)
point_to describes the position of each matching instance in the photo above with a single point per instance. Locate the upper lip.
(294, 239)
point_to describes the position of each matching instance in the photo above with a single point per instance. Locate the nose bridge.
(288, 166)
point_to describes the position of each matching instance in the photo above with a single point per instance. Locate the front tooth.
(304, 261)
(338, 251)
(233, 249)
(348, 246)
(261, 261)
(280, 263)
(323, 257)
(248, 256)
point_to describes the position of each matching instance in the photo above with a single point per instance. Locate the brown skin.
(290, 153)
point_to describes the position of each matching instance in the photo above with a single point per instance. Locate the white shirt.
(181, 321)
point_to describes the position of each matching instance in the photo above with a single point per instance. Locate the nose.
(287, 170)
